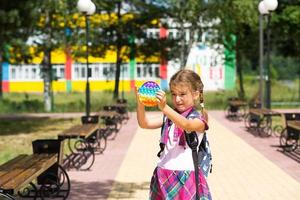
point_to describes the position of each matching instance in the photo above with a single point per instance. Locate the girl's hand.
(161, 99)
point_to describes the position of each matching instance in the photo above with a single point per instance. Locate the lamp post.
(265, 7)
(87, 7)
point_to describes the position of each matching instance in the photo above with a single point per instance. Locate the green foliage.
(286, 29)
(25, 105)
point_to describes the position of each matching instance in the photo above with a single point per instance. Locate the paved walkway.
(240, 171)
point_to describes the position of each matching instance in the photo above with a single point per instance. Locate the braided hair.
(193, 80)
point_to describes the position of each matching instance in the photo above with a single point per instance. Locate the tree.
(193, 17)
(14, 31)
(240, 18)
(50, 24)
(126, 19)
(285, 28)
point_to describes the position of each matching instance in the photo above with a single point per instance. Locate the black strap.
(193, 141)
(162, 147)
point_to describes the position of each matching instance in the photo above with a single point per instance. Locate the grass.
(75, 102)
(16, 136)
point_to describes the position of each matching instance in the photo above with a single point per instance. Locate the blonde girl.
(174, 176)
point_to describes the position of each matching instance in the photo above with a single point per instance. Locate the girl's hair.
(193, 80)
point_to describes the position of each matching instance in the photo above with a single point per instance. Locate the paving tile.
(241, 171)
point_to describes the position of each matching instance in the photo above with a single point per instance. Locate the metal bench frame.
(37, 175)
(290, 135)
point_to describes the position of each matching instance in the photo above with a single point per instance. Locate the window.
(171, 35)
(105, 71)
(150, 71)
(156, 34)
(124, 71)
(138, 71)
(54, 73)
(76, 72)
(96, 72)
(150, 35)
(13, 73)
(156, 68)
(144, 71)
(19, 73)
(62, 72)
(33, 73)
(82, 70)
(26, 73)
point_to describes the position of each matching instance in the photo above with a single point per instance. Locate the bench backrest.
(92, 119)
(121, 100)
(292, 116)
(49, 146)
(289, 117)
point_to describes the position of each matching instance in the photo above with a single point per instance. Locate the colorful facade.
(70, 75)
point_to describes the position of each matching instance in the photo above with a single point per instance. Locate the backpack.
(201, 158)
(203, 154)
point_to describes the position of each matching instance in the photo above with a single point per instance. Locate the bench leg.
(56, 185)
(82, 156)
(289, 142)
(52, 186)
(30, 191)
(4, 196)
(86, 157)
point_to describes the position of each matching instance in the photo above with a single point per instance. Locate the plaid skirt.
(177, 185)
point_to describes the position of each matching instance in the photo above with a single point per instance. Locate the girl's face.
(183, 97)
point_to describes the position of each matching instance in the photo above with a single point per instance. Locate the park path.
(240, 170)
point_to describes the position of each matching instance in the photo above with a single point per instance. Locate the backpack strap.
(202, 148)
(193, 141)
(162, 148)
(162, 145)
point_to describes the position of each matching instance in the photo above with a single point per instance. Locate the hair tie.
(202, 105)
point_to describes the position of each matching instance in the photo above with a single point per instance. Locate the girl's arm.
(143, 120)
(188, 125)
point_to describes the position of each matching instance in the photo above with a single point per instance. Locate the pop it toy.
(147, 93)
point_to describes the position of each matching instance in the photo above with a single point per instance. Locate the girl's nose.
(177, 98)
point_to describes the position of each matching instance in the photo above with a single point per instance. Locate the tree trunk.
(47, 77)
(182, 46)
(117, 77)
(241, 92)
(191, 42)
(118, 59)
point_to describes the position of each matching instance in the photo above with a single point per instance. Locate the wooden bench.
(35, 175)
(79, 131)
(260, 120)
(290, 135)
(121, 106)
(82, 151)
(111, 118)
(235, 109)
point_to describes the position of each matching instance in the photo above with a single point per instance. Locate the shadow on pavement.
(295, 155)
(101, 190)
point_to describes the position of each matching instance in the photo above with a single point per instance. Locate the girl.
(174, 176)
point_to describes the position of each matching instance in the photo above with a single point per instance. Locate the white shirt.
(175, 156)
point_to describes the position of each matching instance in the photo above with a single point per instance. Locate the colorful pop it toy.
(147, 93)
